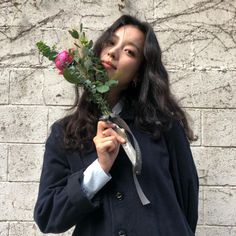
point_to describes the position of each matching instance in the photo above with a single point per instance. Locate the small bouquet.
(81, 67)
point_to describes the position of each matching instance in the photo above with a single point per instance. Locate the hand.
(107, 143)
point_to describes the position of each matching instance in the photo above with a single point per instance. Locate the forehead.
(130, 33)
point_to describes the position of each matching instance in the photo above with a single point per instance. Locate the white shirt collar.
(118, 107)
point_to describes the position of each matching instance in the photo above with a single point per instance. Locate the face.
(123, 55)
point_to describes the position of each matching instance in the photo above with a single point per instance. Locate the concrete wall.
(198, 39)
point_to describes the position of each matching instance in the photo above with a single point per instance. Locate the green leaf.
(77, 45)
(90, 44)
(111, 83)
(88, 63)
(68, 75)
(87, 82)
(83, 39)
(77, 59)
(41, 45)
(74, 33)
(46, 50)
(103, 89)
(81, 27)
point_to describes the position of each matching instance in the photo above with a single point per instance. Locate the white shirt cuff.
(94, 179)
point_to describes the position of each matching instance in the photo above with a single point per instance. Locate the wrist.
(105, 168)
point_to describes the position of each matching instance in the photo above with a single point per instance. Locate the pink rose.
(62, 60)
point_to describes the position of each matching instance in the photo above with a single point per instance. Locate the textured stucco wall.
(198, 39)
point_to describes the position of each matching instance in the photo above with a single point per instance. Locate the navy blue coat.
(168, 179)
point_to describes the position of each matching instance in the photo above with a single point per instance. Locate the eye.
(130, 52)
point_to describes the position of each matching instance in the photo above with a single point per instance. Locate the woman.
(87, 179)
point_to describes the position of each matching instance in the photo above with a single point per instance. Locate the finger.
(107, 145)
(108, 132)
(112, 146)
(102, 125)
(109, 138)
(98, 140)
(112, 132)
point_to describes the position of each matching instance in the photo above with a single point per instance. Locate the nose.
(113, 53)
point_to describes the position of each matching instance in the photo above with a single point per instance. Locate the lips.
(108, 65)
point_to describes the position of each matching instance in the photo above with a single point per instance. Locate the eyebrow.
(129, 43)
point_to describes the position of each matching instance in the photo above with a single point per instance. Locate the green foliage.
(86, 70)
(47, 51)
(74, 34)
(69, 75)
(103, 88)
(111, 83)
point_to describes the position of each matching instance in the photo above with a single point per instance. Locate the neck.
(113, 97)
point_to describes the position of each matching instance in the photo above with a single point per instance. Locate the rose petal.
(63, 58)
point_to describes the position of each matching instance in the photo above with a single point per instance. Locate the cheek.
(103, 53)
(129, 72)
(132, 68)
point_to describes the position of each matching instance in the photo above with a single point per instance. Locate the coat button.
(119, 196)
(122, 233)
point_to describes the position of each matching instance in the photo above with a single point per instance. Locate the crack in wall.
(36, 25)
(197, 8)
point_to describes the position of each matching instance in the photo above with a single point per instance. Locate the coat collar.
(125, 109)
(128, 111)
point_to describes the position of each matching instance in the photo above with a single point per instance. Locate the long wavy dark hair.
(157, 107)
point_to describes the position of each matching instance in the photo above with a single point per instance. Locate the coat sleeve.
(183, 172)
(61, 201)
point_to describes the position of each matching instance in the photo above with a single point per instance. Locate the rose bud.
(62, 60)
